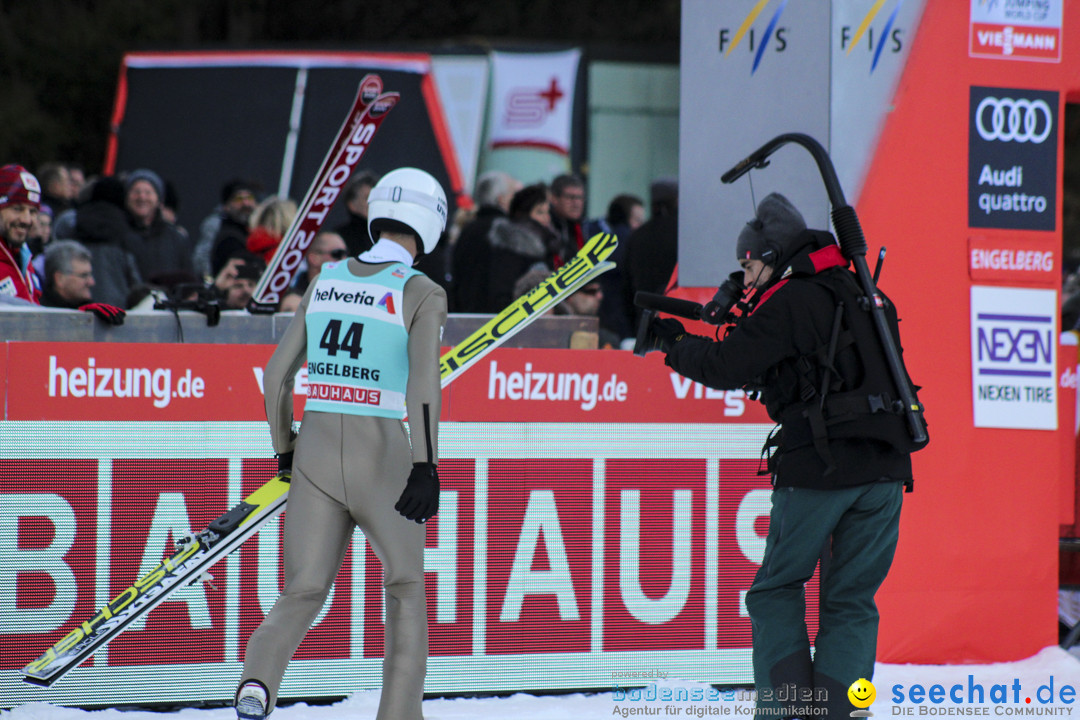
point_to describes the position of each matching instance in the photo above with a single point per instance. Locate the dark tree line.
(59, 59)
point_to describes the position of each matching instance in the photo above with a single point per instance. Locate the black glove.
(109, 313)
(284, 466)
(420, 499)
(667, 332)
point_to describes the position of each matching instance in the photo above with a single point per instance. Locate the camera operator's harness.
(855, 385)
(853, 247)
(842, 389)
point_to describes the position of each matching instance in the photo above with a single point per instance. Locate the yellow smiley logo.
(862, 693)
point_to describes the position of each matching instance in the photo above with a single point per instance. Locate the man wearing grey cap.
(839, 458)
(160, 248)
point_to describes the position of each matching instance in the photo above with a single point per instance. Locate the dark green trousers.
(854, 531)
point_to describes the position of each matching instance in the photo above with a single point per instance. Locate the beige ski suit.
(349, 470)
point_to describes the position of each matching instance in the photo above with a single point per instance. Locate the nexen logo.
(1003, 344)
(1004, 340)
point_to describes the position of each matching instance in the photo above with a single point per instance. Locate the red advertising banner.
(538, 559)
(593, 386)
(1015, 42)
(654, 514)
(153, 506)
(48, 542)
(182, 383)
(1015, 260)
(136, 381)
(1068, 426)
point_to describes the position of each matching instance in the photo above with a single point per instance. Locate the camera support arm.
(853, 246)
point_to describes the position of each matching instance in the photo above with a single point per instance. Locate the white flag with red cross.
(532, 99)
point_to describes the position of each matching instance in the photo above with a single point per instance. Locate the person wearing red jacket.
(20, 201)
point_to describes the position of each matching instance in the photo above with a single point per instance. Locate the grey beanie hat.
(149, 176)
(772, 233)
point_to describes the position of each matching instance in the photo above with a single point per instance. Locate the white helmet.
(409, 197)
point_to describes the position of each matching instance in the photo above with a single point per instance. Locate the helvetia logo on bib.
(387, 303)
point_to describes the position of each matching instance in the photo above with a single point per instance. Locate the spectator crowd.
(113, 244)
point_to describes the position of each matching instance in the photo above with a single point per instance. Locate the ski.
(590, 262)
(195, 554)
(368, 111)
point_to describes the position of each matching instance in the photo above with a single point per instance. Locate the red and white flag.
(532, 99)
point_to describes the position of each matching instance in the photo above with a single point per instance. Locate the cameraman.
(806, 342)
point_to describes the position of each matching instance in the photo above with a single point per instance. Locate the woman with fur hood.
(519, 243)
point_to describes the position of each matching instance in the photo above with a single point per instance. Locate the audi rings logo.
(1010, 120)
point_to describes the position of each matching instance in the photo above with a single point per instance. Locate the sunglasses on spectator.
(339, 254)
(589, 291)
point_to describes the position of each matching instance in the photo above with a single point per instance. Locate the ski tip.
(383, 104)
(371, 86)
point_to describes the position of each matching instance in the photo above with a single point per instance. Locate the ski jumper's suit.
(837, 493)
(371, 335)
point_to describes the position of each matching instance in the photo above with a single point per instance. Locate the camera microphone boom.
(672, 306)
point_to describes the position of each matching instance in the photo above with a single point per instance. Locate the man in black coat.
(652, 250)
(471, 255)
(567, 215)
(354, 231)
(839, 460)
(238, 202)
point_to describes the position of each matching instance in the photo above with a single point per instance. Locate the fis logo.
(387, 303)
(888, 36)
(398, 272)
(754, 44)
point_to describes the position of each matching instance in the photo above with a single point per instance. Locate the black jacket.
(777, 348)
(355, 234)
(231, 237)
(516, 247)
(651, 255)
(471, 263)
(104, 229)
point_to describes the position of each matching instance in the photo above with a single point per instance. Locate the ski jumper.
(371, 334)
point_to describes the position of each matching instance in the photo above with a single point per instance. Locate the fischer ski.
(196, 554)
(590, 262)
(368, 111)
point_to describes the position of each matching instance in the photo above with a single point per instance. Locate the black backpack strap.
(767, 463)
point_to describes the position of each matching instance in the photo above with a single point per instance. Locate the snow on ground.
(1006, 689)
